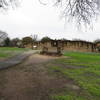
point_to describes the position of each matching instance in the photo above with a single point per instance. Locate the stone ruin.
(53, 50)
(57, 46)
(46, 51)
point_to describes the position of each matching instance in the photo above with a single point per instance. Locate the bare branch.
(4, 4)
(83, 11)
(42, 2)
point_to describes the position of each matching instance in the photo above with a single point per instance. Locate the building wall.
(98, 44)
(28, 46)
(98, 47)
(80, 46)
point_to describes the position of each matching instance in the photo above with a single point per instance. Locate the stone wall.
(98, 46)
(81, 46)
(28, 46)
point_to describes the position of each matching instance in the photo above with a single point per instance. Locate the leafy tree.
(7, 42)
(27, 40)
(45, 39)
(14, 42)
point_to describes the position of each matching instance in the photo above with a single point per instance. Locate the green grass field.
(86, 74)
(6, 52)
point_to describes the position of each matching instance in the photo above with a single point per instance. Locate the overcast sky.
(33, 18)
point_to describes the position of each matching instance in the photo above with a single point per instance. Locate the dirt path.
(30, 80)
(17, 59)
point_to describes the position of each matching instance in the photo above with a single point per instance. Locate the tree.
(27, 40)
(45, 39)
(7, 42)
(82, 11)
(4, 4)
(14, 42)
(97, 41)
(34, 37)
(3, 36)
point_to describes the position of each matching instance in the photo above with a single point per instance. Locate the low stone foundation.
(46, 51)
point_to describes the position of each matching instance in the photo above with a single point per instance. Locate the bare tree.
(3, 37)
(82, 11)
(4, 4)
(42, 2)
(35, 37)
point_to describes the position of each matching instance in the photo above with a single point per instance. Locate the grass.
(67, 97)
(6, 52)
(86, 76)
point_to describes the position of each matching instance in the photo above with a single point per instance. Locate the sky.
(33, 18)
